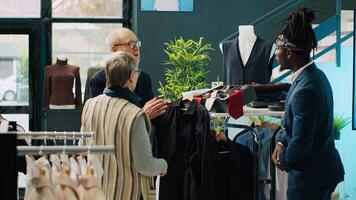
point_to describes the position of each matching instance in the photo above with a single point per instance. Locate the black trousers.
(311, 194)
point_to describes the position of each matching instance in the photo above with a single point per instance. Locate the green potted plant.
(188, 61)
(339, 123)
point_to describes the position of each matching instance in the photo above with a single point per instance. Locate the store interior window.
(20, 8)
(75, 30)
(14, 82)
(87, 8)
(87, 47)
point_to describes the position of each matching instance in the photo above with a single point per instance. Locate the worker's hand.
(275, 156)
(155, 107)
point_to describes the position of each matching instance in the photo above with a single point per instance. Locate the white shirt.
(294, 75)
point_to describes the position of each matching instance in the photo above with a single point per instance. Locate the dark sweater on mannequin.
(59, 80)
(258, 67)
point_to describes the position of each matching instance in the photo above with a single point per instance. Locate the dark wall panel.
(212, 19)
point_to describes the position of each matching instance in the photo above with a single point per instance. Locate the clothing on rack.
(90, 188)
(58, 85)
(46, 181)
(233, 172)
(41, 189)
(65, 188)
(184, 140)
(258, 67)
(6, 126)
(264, 136)
(8, 165)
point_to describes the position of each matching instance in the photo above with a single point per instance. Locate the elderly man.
(123, 123)
(125, 40)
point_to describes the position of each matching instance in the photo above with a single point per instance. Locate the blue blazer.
(310, 153)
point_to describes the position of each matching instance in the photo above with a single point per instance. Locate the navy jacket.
(310, 152)
(143, 89)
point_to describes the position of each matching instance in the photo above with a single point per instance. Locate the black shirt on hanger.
(184, 141)
(233, 172)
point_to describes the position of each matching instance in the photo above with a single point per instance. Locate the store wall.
(342, 91)
(349, 4)
(212, 19)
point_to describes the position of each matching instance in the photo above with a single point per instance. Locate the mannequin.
(247, 58)
(247, 39)
(166, 5)
(59, 81)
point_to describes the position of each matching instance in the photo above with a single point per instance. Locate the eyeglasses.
(132, 44)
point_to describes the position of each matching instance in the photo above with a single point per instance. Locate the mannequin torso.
(247, 39)
(59, 80)
(247, 58)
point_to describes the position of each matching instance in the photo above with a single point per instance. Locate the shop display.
(247, 58)
(58, 85)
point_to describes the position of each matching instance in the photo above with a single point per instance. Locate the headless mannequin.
(62, 60)
(59, 81)
(246, 42)
(247, 39)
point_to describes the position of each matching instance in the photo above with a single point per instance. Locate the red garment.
(197, 99)
(59, 80)
(235, 105)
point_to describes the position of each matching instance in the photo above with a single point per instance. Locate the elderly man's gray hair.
(118, 67)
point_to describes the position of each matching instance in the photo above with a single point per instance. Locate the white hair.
(112, 38)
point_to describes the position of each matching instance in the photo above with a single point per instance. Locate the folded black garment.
(271, 96)
(271, 87)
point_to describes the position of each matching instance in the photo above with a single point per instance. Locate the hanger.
(90, 170)
(185, 103)
(89, 166)
(222, 137)
(64, 157)
(42, 171)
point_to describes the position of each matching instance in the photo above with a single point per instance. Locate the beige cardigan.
(111, 119)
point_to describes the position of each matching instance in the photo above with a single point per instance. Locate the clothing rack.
(40, 150)
(255, 147)
(256, 112)
(255, 152)
(52, 135)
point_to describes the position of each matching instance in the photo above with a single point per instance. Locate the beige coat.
(41, 189)
(65, 188)
(111, 119)
(90, 188)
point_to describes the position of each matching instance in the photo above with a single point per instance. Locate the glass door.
(19, 62)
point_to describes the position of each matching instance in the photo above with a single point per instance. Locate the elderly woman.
(116, 118)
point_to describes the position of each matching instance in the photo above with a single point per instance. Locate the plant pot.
(337, 135)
